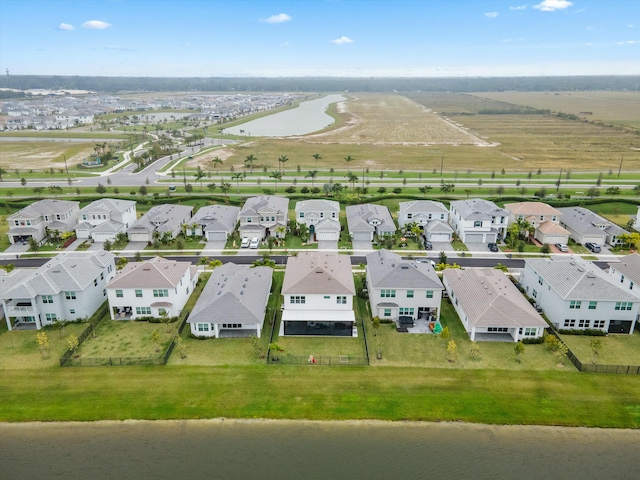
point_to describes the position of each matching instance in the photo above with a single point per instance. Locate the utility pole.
(559, 180)
(441, 165)
(66, 168)
(620, 167)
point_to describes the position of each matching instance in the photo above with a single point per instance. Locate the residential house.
(576, 294)
(318, 292)
(264, 216)
(321, 217)
(160, 220)
(368, 219)
(151, 289)
(402, 287)
(490, 306)
(478, 220)
(103, 219)
(432, 217)
(586, 226)
(214, 222)
(36, 219)
(233, 302)
(70, 286)
(626, 272)
(541, 216)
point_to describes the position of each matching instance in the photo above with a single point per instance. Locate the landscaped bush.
(532, 341)
(592, 332)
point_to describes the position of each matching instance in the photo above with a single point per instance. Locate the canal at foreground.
(265, 449)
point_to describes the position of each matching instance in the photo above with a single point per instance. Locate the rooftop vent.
(318, 270)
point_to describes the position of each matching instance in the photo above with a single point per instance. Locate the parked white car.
(245, 242)
(255, 243)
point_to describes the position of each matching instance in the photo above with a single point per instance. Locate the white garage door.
(553, 239)
(216, 236)
(139, 237)
(473, 237)
(439, 237)
(103, 237)
(335, 236)
(362, 237)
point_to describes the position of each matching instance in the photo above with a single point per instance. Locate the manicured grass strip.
(172, 392)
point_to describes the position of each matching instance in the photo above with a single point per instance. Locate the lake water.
(307, 118)
(238, 449)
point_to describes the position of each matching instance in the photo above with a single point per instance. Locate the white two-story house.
(402, 287)
(70, 286)
(264, 216)
(626, 272)
(103, 219)
(36, 219)
(576, 294)
(432, 216)
(321, 217)
(366, 220)
(541, 216)
(214, 222)
(160, 220)
(151, 289)
(478, 221)
(318, 292)
(587, 226)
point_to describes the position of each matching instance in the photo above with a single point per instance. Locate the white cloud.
(631, 25)
(281, 17)
(96, 24)
(552, 5)
(519, 7)
(342, 40)
(629, 42)
(116, 47)
(65, 26)
(491, 14)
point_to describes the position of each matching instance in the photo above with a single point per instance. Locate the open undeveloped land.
(42, 155)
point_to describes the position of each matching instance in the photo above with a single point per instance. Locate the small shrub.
(533, 341)
(591, 332)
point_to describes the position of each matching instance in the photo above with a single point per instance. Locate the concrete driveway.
(17, 248)
(327, 244)
(440, 247)
(362, 246)
(135, 246)
(215, 245)
(481, 250)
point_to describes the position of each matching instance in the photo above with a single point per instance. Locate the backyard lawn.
(616, 349)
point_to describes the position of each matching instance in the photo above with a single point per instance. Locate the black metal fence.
(595, 368)
(67, 360)
(336, 361)
(101, 313)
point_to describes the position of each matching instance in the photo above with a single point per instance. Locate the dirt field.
(42, 155)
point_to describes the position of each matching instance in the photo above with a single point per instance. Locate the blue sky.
(320, 37)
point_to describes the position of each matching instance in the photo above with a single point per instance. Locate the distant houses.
(587, 226)
(321, 217)
(214, 222)
(35, 220)
(432, 217)
(160, 221)
(104, 219)
(264, 216)
(366, 220)
(543, 218)
(478, 221)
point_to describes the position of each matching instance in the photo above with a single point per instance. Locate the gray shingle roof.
(253, 205)
(388, 270)
(317, 205)
(629, 266)
(478, 209)
(46, 207)
(422, 206)
(583, 222)
(318, 273)
(575, 279)
(157, 272)
(234, 294)
(490, 299)
(359, 216)
(108, 205)
(164, 218)
(218, 217)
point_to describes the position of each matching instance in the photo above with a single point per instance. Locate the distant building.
(36, 219)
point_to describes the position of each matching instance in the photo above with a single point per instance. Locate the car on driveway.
(426, 260)
(594, 247)
(562, 247)
(245, 242)
(255, 243)
(493, 247)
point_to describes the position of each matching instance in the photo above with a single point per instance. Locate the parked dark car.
(594, 247)
(493, 247)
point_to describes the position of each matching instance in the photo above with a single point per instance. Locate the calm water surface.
(308, 117)
(236, 449)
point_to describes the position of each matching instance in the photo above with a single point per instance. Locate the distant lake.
(304, 450)
(307, 118)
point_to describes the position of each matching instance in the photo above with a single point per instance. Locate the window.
(321, 214)
(530, 332)
(631, 285)
(51, 317)
(534, 293)
(387, 312)
(248, 219)
(621, 278)
(333, 214)
(203, 327)
(341, 300)
(143, 310)
(598, 323)
(497, 329)
(119, 293)
(102, 276)
(569, 322)
(104, 292)
(298, 299)
(477, 223)
(301, 215)
(409, 215)
(409, 293)
(327, 296)
(47, 299)
(231, 325)
(95, 282)
(388, 293)
(593, 305)
(162, 311)
(70, 295)
(584, 323)
(406, 311)
(540, 280)
(429, 294)
(624, 305)
(72, 311)
(160, 292)
(575, 304)
(139, 293)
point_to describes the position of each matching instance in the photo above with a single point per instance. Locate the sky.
(354, 38)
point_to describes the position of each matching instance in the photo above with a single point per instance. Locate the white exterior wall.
(421, 218)
(318, 302)
(625, 282)
(419, 300)
(551, 238)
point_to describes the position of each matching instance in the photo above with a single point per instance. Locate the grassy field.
(41, 156)
(616, 349)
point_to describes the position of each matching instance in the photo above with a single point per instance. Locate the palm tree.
(282, 159)
(199, 175)
(250, 159)
(349, 159)
(2, 172)
(353, 179)
(317, 157)
(276, 175)
(216, 163)
(237, 177)
(312, 174)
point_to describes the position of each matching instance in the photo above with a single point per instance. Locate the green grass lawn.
(616, 349)
(429, 350)
(19, 350)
